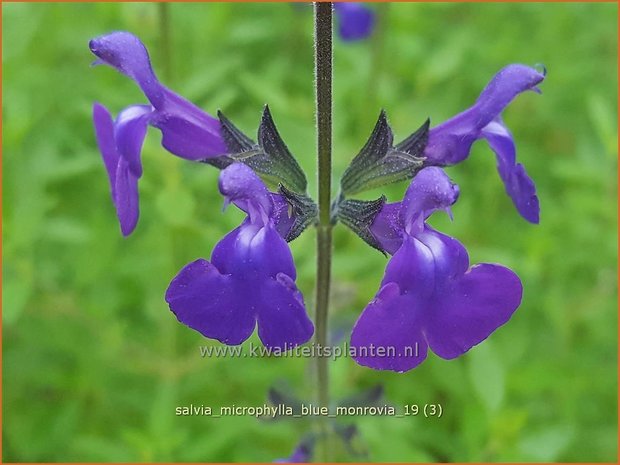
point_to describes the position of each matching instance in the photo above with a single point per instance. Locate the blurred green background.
(95, 364)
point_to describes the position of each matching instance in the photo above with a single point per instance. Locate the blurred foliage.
(94, 363)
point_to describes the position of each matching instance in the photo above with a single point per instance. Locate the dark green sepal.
(270, 158)
(359, 215)
(380, 163)
(236, 141)
(281, 161)
(415, 144)
(303, 209)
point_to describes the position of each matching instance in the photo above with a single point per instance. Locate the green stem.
(323, 77)
(163, 10)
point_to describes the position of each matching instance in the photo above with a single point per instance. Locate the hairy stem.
(323, 76)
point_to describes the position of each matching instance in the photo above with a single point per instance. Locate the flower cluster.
(251, 276)
(430, 297)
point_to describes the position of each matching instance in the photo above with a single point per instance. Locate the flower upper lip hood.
(247, 192)
(509, 82)
(450, 142)
(434, 191)
(430, 191)
(125, 52)
(187, 131)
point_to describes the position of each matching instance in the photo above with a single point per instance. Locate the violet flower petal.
(387, 335)
(251, 251)
(467, 312)
(210, 303)
(519, 186)
(355, 21)
(104, 133)
(129, 133)
(282, 318)
(126, 198)
(413, 268)
(123, 180)
(450, 258)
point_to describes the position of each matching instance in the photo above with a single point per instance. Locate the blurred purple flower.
(450, 142)
(301, 454)
(250, 278)
(429, 296)
(355, 21)
(187, 131)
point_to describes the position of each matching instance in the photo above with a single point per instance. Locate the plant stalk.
(163, 10)
(323, 82)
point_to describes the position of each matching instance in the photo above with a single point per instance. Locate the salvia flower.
(355, 21)
(450, 142)
(187, 131)
(429, 296)
(250, 279)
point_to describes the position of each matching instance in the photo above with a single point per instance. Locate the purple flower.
(355, 21)
(450, 142)
(250, 278)
(301, 454)
(429, 296)
(187, 131)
